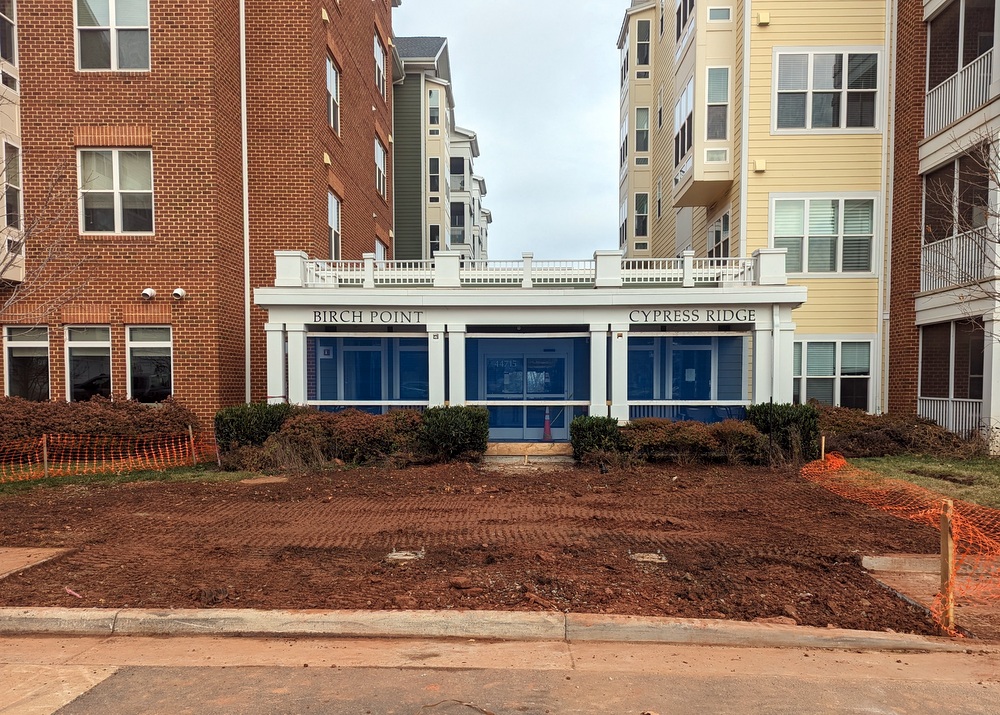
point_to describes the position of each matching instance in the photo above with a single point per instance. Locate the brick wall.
(906, 209)
(187, 110)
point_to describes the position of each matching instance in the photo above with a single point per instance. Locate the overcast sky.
(537, 80)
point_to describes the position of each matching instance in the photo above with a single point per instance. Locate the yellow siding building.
(768, 129)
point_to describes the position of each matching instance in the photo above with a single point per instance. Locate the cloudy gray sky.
(537, 80)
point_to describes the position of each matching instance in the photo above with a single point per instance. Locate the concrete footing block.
(70, 621)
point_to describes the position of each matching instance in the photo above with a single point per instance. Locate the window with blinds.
(832, 373)
(717, 114)
(824, 235)
(826, 90)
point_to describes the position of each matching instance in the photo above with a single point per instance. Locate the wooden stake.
(194, 450)
(947, 565)
(45, 454)
(822, 448)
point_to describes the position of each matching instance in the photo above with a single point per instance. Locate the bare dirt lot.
(737, 543)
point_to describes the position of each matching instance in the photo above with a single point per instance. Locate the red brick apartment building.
(131, 127)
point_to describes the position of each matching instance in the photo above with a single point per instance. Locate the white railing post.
(447, 269)
(369, 270)
(526, 279)
(289, 268)
(771, 266)
(607, 269)
(687, 269)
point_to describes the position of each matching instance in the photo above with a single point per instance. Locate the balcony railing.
(452, 269)
(956, 261)
(963, 417)
(961, 94)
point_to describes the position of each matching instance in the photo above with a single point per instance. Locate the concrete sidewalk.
(494, 625)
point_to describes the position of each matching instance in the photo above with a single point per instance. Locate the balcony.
(607, 269)
(458, 182)
(960, 95)
(958, 260)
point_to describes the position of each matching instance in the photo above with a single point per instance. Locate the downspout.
(888, 180)
(745, 122)
(246, 201)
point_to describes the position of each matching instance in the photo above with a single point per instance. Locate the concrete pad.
(57, 620)
(46, 649)
(41, 690)
(580, 627)
(915, 563)
(418, 624)
(14, 559)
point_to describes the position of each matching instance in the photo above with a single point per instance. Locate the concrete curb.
(493, 625)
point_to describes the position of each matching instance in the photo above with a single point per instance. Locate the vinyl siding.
(408, 165)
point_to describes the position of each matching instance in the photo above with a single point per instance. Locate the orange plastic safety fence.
(58, 455)
(976, 529)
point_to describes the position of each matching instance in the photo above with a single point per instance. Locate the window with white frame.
(624, 63)
(659, 108)
(717, 112)
(8, 32)
(642, 129)
(333, 224)
(623, 145)
(641, 214)
(26, 357)
(435, 239)
(116, 190)
(380, 82)
(685, 14)
(663, 17)
(832, 372)
(88, 362)
(824, 235)
(720, 14)
(332, 94)
(380, 183)
(684, 123)
(826, 90)
(380, 250)
(150, 363)
(434, 106)
(112, 34)
(434, 174)
(642, 43)
(659, 196)
(12, 187)
(623, 223)
(718, 237)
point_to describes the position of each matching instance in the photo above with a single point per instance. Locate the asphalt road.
(209, 675)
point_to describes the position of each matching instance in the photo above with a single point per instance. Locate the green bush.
(250, 424)
(661, 440)
(739, 442)
(22, 419)
(792, 430)
(458, 432)
(596, 435)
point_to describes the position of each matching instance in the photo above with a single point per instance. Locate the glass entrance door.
(523, 378)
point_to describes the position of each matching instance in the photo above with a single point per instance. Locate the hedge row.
(22, 419)
(265, 437)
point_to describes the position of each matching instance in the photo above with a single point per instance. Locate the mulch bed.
(733, 543)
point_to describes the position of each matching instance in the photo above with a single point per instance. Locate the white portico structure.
(685, 338)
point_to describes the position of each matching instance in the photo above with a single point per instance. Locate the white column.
(436, 374)
(456, 365)
(275, 362)
(619, 372)
(296, 363)
(785, 352)
(762, 357)
(991, 382)
(599, 370)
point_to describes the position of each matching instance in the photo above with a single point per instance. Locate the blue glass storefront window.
(699, 368)
(367, 370)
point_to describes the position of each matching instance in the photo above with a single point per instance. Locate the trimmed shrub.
(855, 433)
(661, 440)
(593, 437)
(792, 429)
(739, 442)
(360, 437)
(250, 424)
(22, 419)
(459, 432)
